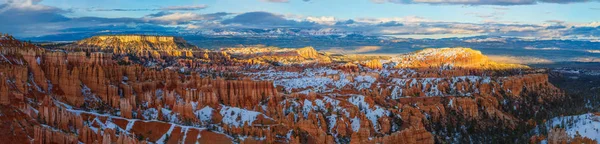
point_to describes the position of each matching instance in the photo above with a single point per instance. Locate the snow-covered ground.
(401, 83)
(587, 125)
(373, 113)
(315, 80)
(235, 116)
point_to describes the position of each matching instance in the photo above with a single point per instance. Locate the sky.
(544, 19)
(342, 9)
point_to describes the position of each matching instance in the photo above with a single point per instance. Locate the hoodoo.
(258, 95)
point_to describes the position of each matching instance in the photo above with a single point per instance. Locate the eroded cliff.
(260, 95)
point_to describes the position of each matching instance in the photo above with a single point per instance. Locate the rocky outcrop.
(452, 57)
(307, 52)
(374, 64)
(557, 136)
(95, 92)
(125, 43)
(413, 135)
(44, 135)
(144, 46)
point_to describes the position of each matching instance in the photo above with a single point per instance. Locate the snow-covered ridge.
(587, 125)
(404, 83)
(444, 52)
(237, 116)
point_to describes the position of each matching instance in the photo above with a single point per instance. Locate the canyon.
(161, 89)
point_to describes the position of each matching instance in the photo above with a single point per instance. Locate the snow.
(130, 125)
(402, 83)
(567, 71)
(6, 59)
(332, 121)
(184, 131)
(164, 137)
(204, 114)
(355, 124)
(316, 80)
(320, 105)
(150, 114)
(396, 92)
(307, 107)
(318, 84)
(363, 82)
(38, 60)
(159, 93)
(587, 125)
(372, 114)
(110, 124)
(237, 117)
(169, 116)
(35, 84)
(289, 134)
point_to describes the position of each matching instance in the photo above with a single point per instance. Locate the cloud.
(168, 8)
(265, 19)
(28, 18)
(175, 18)
(492, 15)
(480, 2)
(17, 15)
(276, 1)
(181, 17)
(185, 8)
(280, 1)
(407, 19)
(322, 20)
(491, 39)
(543, 48)
(586, 59)
(390, 24)
(27, 5)
(555, 21)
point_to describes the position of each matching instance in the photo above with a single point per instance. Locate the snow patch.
(237, 117)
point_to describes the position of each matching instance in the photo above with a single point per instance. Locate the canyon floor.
(161, 89)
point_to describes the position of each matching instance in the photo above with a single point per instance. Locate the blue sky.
(552, 19)
(343, 9)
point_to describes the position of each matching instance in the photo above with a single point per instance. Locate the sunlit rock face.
(259, 95)
(137, 42)
(278, 56)
(452, 57)
(138, 45)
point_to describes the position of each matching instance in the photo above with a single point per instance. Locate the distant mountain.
(274, 32)
(136, 42)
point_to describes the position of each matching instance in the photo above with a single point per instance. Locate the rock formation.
(149, 89)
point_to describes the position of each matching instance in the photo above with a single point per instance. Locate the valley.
(162, 89)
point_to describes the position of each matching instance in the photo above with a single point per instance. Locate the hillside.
(248, 96)
(136, 45)
(136, 42)
(452, 57)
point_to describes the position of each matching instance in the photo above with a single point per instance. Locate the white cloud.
(407, 19)
(519, 29)
(324, 20)
(191, 26)
(190, 7)
(592, 24)
(175, 18)
(481, 2)
(27, 5)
